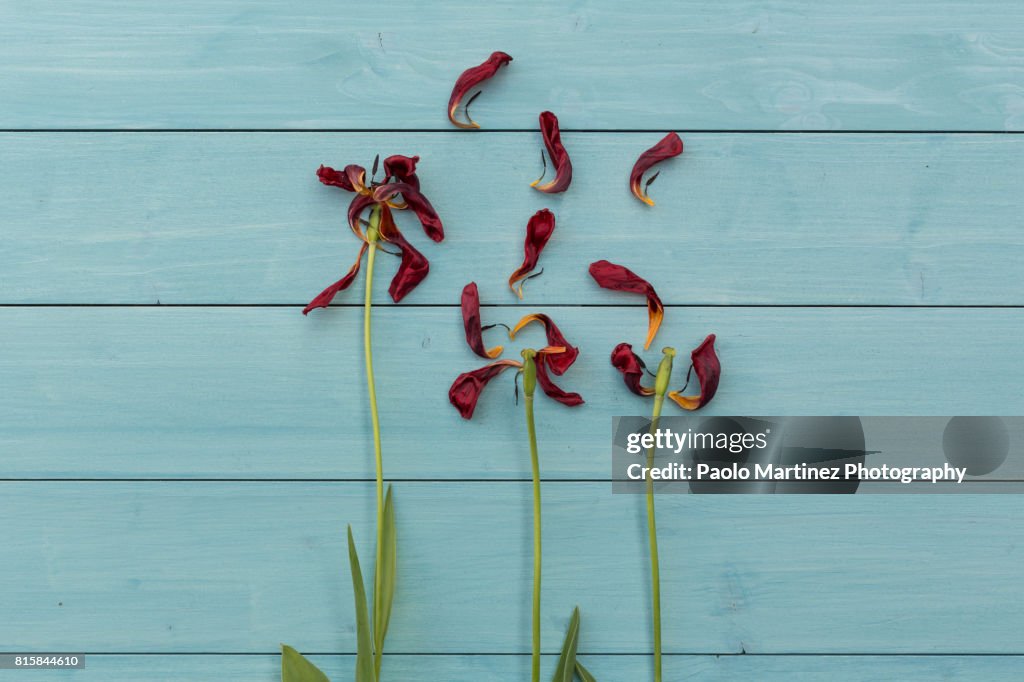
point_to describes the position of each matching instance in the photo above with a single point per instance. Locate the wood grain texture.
(239, 567)
(265, 393)
(781, 219)
(265, 668)
(745, 65)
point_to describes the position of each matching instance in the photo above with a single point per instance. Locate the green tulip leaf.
(364, 642)
(385, 578)
(295, 667)
(567, 660)
(583, 673)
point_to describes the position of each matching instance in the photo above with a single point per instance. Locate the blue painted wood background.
(182, 449)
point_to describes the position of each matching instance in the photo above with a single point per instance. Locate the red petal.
(618, 278)
(360, 203)
(669, 146)
(469, 79)
(335, 178)
(558, 362)
(708, 370)
(417, 202)
(471, 321)
(538, 232)
(468, 386)
(632, 368)
(548, 386)
(325, 297)
(402, 169)
(414, 266)
(556, 152)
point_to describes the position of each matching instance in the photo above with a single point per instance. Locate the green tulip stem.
(372, 235)
(529, 386)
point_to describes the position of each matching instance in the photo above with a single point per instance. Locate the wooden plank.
(748, 65)
(265, 668)
(264, 392)
(786, 219)
(238, 567)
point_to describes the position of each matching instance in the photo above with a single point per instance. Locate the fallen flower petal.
(325, 297)
(417, 202)
(467, 387)
(538, 231)
(360, 203)
(559, 157)
(557, 362)
(471, 322)
(669, 146)
(708, 370)
(402, 169)
(618, 278)
(414, 266)
(632, 368)
(469, 79)
(549, 387)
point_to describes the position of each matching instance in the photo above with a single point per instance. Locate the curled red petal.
(417, 202)
(402, 169)
(471, 322)
(549, 387)
(632, 368)
(708, 370)
(558, 362)
(469, 79)
(360, 203)
(538, 231)
(334, 178)
(468, 386)
(669, 146)
(556, 152)
(414, 266)
(619, 278)
(324, 298)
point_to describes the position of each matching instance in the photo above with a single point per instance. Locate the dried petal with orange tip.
(669, 146)
(467, 387)
(557, 362)
(471, 322)
(556, 152)
(632, 368)
(708, 370)
(468, 80)
(324, 298)
(619, 278)
(538, 231)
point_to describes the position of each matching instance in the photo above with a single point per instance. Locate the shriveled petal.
(414, 266)
(471, 321)
(360, 203)
(708, 370)
(619, 278)
(556, 152)
(334, 178)
(417, 202)
(632, 368)
(538, 231)
(557, 362)
(669, 146)
(549, 387)
(469, 79)
(325, 297)
(402, 169)
(467, 387)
